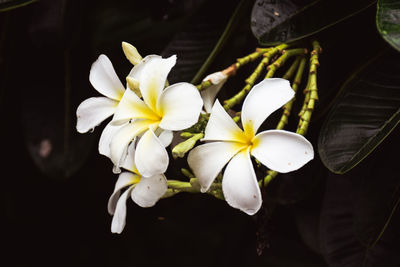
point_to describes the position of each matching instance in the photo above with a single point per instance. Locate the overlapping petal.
(262, 100)
(122, 138)
(153, 77)
(136, 71)
(151, 158)
(207, 160)
(129, 162)
(221, 127)
(124, 179)
(104, 79)
(180, 106)
(282, 151)
(149, 190)
(134, 75)
(119, 218)
(106, 138)
(239, 184)
(166, 137)
(93, 111)
(132, 107)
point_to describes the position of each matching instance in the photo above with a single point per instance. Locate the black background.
(54, 207)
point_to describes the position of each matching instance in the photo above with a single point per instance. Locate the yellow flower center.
(245, 139)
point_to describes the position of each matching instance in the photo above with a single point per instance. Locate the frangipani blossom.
(144, 191)
(161, 111)
(278, 150)
(93, 111)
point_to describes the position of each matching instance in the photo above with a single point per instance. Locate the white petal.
(129, 162)
(208, 95)
(92, 111)
(221, 126)
(282, 151)
(149, 190)
(124, 179)
(106, 138)
(104, 79)
(166, 137)
(151, 157)
(153, 77)
(132, 107)
(207, 160)
(180, 105)
(118, 221)
(263, 99)
(240, 186)
(136, 71)
(121, 140)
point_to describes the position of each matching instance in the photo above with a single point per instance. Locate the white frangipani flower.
(95, 110)
(279, 150)
(92, 111)
(161, 111)
(217, 80)
(144, 191)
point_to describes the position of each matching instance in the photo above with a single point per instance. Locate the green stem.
(311, 87)
(311, 91)
(7, 7)
(287, 108)
(286, 54)
(229, 103)
(252, 57)
(231, 70)
(187, 173)
(180, 186)
(267, 179)
(290, 72)
(182, 148)
(175, 186)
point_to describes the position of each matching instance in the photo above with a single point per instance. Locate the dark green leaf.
(388, 21)
(48, 115)
(359, 208)
(6, 5)
(285, 21)
(241, 9)
(56, 83)
(196, 42)
(365, 113)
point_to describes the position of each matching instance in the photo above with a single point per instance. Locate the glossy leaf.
(365, 113)
(359, 217)
(388, 21)
(195, 42)
(284, 21)
(58, 82)
(49, 131)
(6, 5)
(241, 9)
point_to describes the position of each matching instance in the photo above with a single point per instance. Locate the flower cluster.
(147, 111)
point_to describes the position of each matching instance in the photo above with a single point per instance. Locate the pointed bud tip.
(131, 53)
